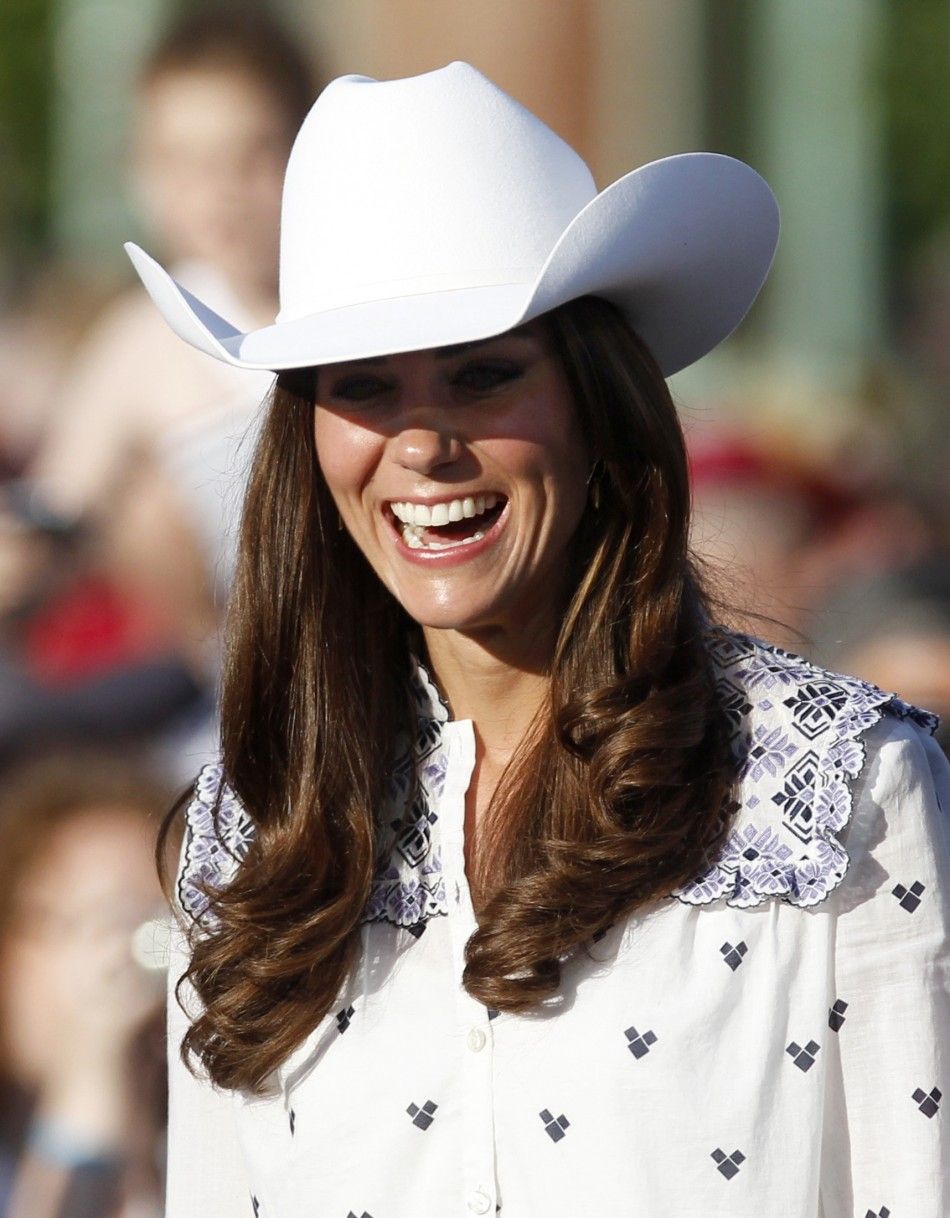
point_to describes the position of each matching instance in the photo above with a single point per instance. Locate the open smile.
(457, 528)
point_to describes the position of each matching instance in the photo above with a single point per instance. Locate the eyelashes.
(477, 378)
(359, 388)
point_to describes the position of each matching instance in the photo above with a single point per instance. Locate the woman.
(520, 886)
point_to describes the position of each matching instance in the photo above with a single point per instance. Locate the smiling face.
(461, 475)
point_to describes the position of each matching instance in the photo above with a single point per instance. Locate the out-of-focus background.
(817, 434)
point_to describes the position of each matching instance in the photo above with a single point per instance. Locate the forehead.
(214, 104)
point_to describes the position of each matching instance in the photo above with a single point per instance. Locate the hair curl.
(619, 794)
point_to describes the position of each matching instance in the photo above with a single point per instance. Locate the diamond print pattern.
(365, 1214)
(928, 1102)
(293, 1121)
(728, 1165)
(733, 955)
(909, 898)
(491, 1012)
(639, 1045)
(343, 1019)
(804, 1059)
(423, 1117)
(555, 1126)
(836, 1014)
(883, 1212)
(255, 1205)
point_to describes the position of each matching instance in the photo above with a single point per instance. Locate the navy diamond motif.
(343, 1019)
(598, 935)
(413, 835)
(417, 930)
(804, 1059)
(797, 797)
(555, 1126)
(883, 1212)
(815, 704)
(429, 737)
(491, 1012)
(365, 1214)
(836, 1014)
(733, 955)
(255, 1205)
(293, 1121)
(909, 898)
(728, 1165)
(928, 1103)
(424, 1116)
(639, 1045)
(733, 700)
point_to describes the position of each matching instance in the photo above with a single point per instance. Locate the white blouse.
(771, 1041)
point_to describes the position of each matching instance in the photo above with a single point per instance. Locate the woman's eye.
(359, 388)
(486, 375)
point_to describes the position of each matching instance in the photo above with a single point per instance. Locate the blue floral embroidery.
(798, 748)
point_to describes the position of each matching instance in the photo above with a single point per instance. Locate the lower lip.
(462, 553)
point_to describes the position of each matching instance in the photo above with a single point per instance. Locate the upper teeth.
(441, 513)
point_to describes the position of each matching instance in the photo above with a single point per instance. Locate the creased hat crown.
(431, 183)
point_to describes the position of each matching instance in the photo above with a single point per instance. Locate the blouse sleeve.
(206, 1173)
(885, 1141)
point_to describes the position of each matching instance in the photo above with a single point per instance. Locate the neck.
(498, 685)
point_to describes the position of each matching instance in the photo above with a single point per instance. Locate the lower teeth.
(412, 536)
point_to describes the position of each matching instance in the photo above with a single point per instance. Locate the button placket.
(475, 1035)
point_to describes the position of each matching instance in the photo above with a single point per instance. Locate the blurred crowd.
(820, 519)
(122, 458)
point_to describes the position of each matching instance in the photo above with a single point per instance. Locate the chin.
(451, 614)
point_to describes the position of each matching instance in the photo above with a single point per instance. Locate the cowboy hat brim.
(682, 245)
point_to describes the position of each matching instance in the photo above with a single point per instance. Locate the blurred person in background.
(764, 524)
(81, 1044)
(785, 513)
(137, 465)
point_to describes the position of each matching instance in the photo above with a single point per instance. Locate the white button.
(479, 1201)
(476, 1040)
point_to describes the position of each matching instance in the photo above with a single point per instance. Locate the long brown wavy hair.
(619, 793)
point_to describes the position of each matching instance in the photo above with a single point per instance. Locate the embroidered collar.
(408, 887)
(796, 735)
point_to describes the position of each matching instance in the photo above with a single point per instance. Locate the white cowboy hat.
(437, 210)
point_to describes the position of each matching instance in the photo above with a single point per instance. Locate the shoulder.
(218, 833)
(802, 738)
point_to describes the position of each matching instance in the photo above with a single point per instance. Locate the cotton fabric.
(769, 1040)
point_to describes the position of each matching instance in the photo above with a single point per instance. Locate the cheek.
(346, 453)
(549, 447)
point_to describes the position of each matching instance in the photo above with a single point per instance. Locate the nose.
(424, 450)
(427, 439)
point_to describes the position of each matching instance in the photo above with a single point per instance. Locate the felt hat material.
(435, 210)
